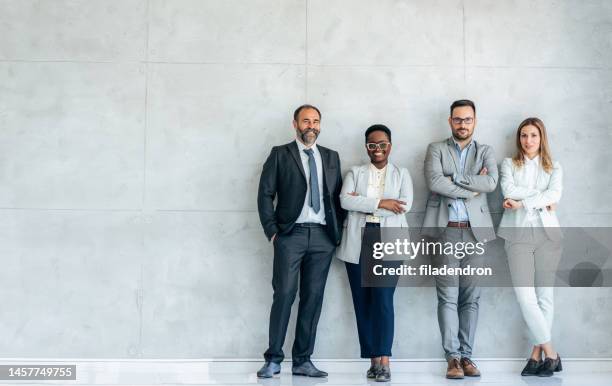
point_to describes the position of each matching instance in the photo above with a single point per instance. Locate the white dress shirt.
(532, 171)
(376, 187)
(308, 214)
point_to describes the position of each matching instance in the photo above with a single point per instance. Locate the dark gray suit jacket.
(283, 177)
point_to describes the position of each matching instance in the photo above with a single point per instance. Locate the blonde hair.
(545, 158)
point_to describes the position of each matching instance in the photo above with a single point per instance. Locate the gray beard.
(305, 138)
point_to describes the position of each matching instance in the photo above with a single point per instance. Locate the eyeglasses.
(380, 146)
(458, 121)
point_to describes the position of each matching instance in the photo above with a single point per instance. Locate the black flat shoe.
(531, 368)
(384, 375)
(550, 366)
(373, 371)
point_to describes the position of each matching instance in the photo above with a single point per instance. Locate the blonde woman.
(531, 183)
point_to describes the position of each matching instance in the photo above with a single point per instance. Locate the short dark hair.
(303, 107)
(462, 103)
(378, 127)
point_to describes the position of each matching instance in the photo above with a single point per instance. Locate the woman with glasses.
(531, 183)
(376, 195)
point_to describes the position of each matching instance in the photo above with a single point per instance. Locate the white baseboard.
(246, 365)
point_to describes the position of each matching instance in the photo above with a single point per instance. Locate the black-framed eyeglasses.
(458, 121)
(380, 146)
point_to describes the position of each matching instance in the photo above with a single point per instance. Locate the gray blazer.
(398, 185)
(441, 162)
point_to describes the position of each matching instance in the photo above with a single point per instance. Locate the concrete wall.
(132, 135)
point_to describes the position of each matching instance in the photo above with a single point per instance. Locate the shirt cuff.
(527, 204)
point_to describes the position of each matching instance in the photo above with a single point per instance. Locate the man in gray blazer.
(459, 172)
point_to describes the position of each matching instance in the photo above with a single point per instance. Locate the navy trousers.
(373, 305)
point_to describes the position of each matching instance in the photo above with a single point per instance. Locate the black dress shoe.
(550, 366)
(531, 368)
(268, 370)
(372, 371)
(307, 369)
(384, 375)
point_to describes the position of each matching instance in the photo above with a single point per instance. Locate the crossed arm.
(483, 182)
(463, 186)
(518, 196)
(350, 200)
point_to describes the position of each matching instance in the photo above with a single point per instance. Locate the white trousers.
(533, 261)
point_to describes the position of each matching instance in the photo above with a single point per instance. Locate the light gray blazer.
(547, 191)
(398, 185)
(441, 162)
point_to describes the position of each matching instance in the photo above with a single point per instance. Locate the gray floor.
(347, 372)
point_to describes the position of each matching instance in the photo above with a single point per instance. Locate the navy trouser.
(373, 305)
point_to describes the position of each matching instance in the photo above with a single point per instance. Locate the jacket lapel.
(471, 157)
(453, 152)
(293, 149)
(363, 180)
(325, 167)
(389, 178)
(542, 178)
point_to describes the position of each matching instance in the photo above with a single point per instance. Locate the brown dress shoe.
(454, 370)
(469, 368)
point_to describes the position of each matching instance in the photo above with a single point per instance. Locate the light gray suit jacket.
(441, 162)
(398, 185)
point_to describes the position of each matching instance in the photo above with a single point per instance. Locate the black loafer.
(531, 368)
(550, 366)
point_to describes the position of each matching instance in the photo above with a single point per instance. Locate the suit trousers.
(458, 298)
(301, 257)
(373, 305)
(532, 261)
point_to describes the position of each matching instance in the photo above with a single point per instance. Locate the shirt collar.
(472, 141)
(302, 147)
(534, 161)
(377, 170)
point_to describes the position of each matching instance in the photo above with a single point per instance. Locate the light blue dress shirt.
(457, 211)
(308, 214)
